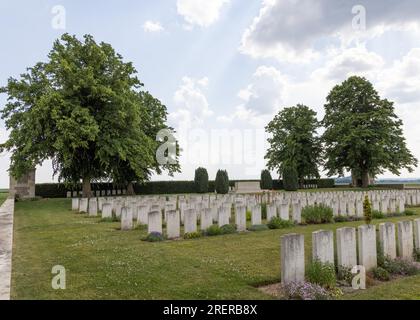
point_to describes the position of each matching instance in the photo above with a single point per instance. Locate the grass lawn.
(3, 197)
(104, 263)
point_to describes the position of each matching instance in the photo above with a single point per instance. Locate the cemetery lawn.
(104, 263)
(3, 197)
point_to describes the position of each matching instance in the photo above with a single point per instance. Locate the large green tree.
(85, 109)
(294, 142)
(363, 135)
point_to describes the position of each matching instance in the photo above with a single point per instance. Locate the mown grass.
(104, 263)
(3, 197)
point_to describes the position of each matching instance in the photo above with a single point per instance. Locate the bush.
(322, 274)
(290, 178)
(213, 230)
(381, 274)
(318, 213)
(325, 183)
(377, 214)
(367, 210)
(305, 291)
(222, 182)
(201, 180)
(344, 274)
(266, 182)
(228, 228)
(409, 213)
(416, 255)
(278, 223)
(400, 267)
(192, 235)
(258, 227)
(110, 219)
(154, 237)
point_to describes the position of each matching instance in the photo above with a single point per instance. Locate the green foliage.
(409, 213)
(290, 178)
(228, 228)
(400, 267)
(192, 235)
(110, 219)
(377, 214)
(266, 182)
(222, 182)
(263, 211)
(367, 210)
(321, 273)
(294, 142)
(258, 227)
(325, 183)
(84, 109)
(278, 223)
(154, 237)
(213, 230)
(248, 215)
(344, 274)
(362, 132)
(318, 213)
(381, 274)
(201, 180)
(416, 255)
(346, 218)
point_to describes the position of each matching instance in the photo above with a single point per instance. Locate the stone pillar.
(256, 215)
(83, 205)
(106, 210)
(190, 221)
(405, 240)
(292, 258)
(367, 246)
(154, 223)
(206, 218)
(387, 239)
(173, 224)
(126, 218)
(93, 207)
(24, 187)
(75, 204)
(346, 247)
(323, 246)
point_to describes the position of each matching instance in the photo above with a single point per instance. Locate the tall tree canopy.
(362, 132)
(294, 142)
(84, 109)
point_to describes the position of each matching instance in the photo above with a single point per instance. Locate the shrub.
(341, 219)
(192, 235)
(110, 219)
(381, 274)
(317, 214)
(400, 266)
(290, 178)
(222, 182)
(409, 213)
(266, 182)
(258, 227)
(201, 180)
(213, 230)
(344, 274)
(278, 223)
(322, 274)
(228, 228)
(377, 214)
(154, 237)
(416, 255)
(305, 291)
(367, 210)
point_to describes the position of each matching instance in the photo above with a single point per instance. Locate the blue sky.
(225, 67)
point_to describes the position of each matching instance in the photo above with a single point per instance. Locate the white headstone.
(292, 258)
(126, 218)
(106, 210)
(173, 224)
(154, 223)
(387, 239)
(346, 247)
(405, 240)
(367, 246)
(240, 218)
(323, 246)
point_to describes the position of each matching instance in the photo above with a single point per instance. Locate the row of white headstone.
(350, 251)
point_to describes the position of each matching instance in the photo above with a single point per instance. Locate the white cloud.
(297, 30)
(191, 102)
(152, 26)
(202, 13)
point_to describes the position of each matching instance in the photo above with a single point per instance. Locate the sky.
(224, 68)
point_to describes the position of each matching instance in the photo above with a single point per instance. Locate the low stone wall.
(6, 242)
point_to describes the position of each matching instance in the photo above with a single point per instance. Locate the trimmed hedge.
(59, 190)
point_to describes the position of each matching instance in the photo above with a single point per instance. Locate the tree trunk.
(365, 179)
(130, 189)
(86, 188)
